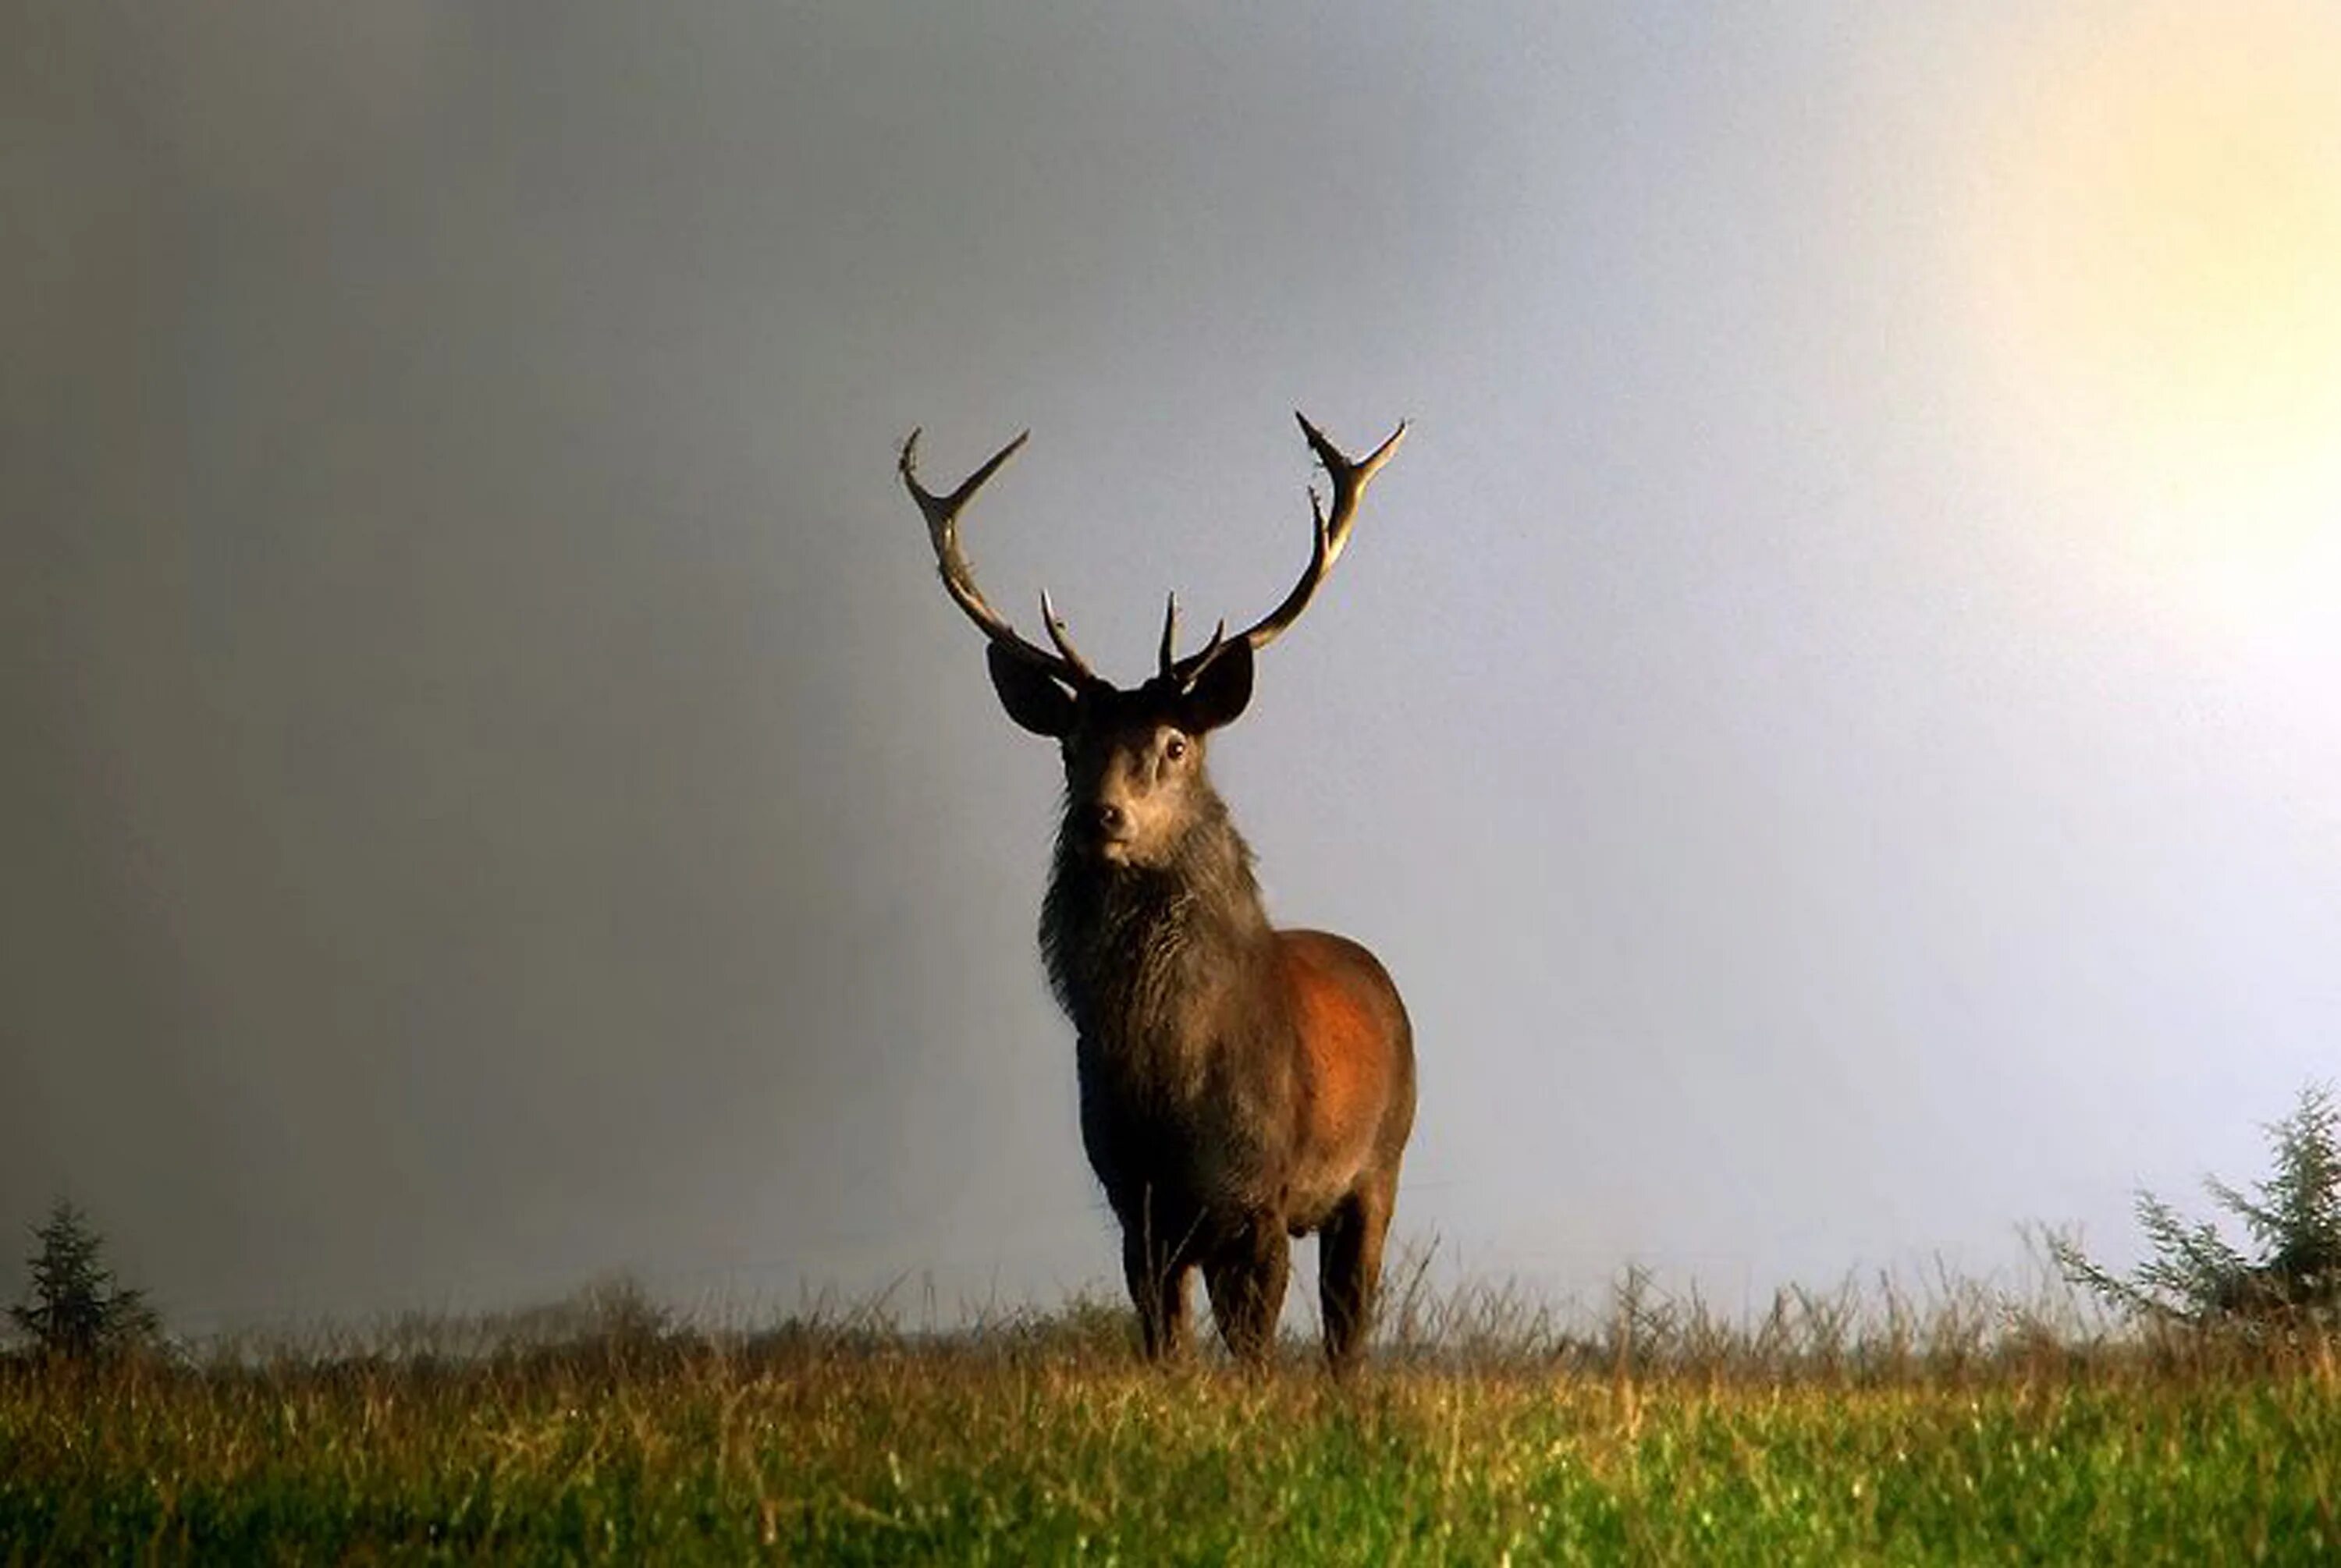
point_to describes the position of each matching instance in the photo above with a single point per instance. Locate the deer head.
(1134, 758)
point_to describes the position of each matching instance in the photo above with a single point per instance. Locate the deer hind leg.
(1246, 1277)
(1156, 1269)
(1348, 1271)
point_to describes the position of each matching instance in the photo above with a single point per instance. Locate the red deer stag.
(1239, 1084)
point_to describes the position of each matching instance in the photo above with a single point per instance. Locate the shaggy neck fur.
(1136, 955)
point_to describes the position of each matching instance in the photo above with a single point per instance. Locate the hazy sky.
(1831, 719)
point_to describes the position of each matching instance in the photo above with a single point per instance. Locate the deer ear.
(1222, 690)
(1032, 697)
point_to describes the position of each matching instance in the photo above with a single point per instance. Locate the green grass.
(1043, 1442)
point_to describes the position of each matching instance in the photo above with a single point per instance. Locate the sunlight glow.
(2162, 249)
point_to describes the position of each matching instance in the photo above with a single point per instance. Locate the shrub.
(2293, 1219)
(76, 1311)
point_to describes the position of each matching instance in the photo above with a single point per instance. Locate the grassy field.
(1042, 1442)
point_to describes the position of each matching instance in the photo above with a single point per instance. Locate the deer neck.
(1140, 958)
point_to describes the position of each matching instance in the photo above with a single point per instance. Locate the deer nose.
(1110, 816)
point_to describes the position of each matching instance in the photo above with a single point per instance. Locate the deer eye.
(1175, 748)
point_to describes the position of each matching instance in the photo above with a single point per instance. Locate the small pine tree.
(2294, 1220)
(76, 1311)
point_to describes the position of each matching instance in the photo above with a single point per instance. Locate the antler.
(942, 513)
(1332, 533)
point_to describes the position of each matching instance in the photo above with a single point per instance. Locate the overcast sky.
(1831, 719)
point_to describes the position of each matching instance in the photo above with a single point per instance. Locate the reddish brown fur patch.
(1345, 1036)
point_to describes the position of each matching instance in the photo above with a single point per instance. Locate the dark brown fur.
(1240, 1085)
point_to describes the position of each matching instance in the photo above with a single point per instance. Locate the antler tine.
(942, 513)
(1183, 673)
(1056, 634)
(1169, 660)
(1330, 535)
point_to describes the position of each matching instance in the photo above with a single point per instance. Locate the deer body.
(1240, 1085)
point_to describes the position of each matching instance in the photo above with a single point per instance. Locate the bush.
(76, 1311)
(2293, 1222)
